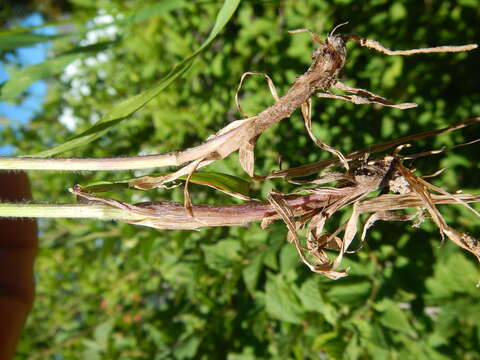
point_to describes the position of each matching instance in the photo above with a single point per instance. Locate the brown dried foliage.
(311, 208)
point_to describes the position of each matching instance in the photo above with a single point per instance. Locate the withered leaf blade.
(364, 97)
(385, 216)
(418, 188)
(271, 87)
(373, 44)
(306, 108)
(313, 168)
(187, 201)
(246, 155)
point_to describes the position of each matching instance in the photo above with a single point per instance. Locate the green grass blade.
(136, 15)
(13, 41)
(22, 36)
(131, 105)
(146, 12)
(20, 80)
(224, 15)
(20, 30)
(114, 116)
(231, 185)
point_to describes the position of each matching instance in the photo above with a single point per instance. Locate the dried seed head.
(337, 41)
(398, 184)
(338, 44)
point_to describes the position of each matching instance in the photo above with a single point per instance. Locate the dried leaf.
(443, 192)
(307, 117)
(282, 208)
(246, 156)
(385, 216)
(420, 190)
(363, 97)
(187, 201)
(271, 87)
(315, 36)
(313, 168)
(406, 201)
(464, 240)
(372, 44)
(349, 235)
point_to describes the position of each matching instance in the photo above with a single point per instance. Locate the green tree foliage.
(109, 290)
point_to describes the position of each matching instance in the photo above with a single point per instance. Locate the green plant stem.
(96, 211)
(105, 164)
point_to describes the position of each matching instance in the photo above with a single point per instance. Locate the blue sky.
(23, 112)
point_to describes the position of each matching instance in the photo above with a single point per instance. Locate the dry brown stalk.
(316, 208)
(172, 216)
(328, 61)
(362, 176)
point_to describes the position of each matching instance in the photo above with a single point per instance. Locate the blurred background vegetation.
(116, 291)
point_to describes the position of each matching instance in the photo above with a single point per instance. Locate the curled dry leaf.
(315, 209)
(316, 167)
(246, 156)
(271, 87)
(363, 97)
(307, 116)
(362, 177)
(420, 188)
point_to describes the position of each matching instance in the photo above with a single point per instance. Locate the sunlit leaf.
(393, 317)
(229, 184)
(14, 41)
(280, 300)
(454, 276)
(222, 255)
(102, 333)
(331, 344)
(157, 8)
(252, 272)
(349, 293)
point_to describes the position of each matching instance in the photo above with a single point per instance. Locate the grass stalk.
(82, 211)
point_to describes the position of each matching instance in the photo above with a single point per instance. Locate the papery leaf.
(187, 201)
(307, 117)
(271, 87)
(385, 216)
(363, 97)
(316, 167)
(246, 156)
